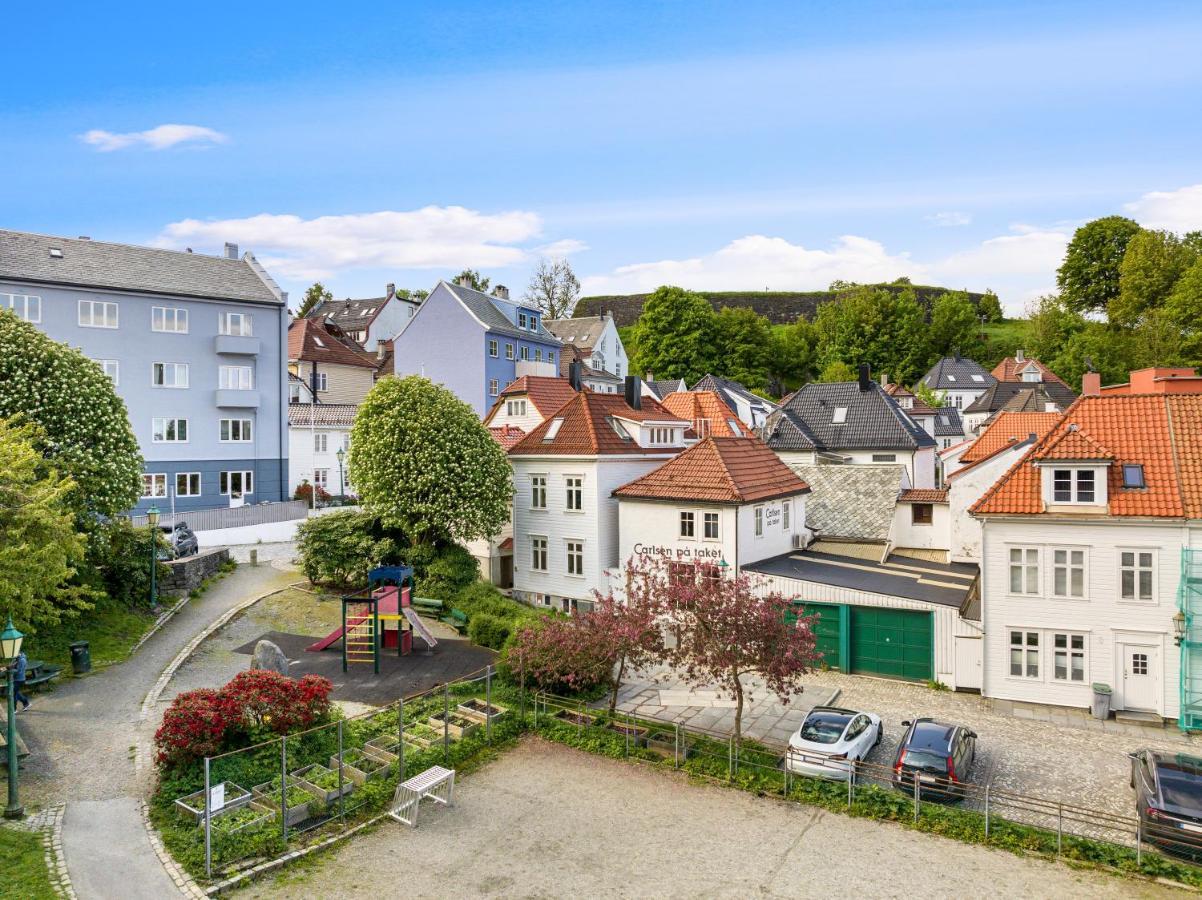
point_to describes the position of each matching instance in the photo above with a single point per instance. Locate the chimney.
(634, 392)
(389, 290)
(382, 348)
(464, 281)
(650, 375)
(576, 374)
(1091, 384)
(865, 377)
(885, 379)
(501, 292)
(231, 250)
(1019, 356)
(84, 237)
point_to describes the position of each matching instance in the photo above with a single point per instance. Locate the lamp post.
(10, 646)
(152, 517)
(341, 484)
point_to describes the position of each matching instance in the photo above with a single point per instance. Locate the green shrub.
(450, 569)
(488, 631)
(118, 562)
(340, 548)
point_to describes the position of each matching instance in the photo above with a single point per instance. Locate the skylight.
(553, 429)
(619, 429)
(56, 253)
(1133, 476)
(978, 378)
(840, 415)
(951, 377)
(734, 426)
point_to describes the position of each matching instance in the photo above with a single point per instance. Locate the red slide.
(387, 606)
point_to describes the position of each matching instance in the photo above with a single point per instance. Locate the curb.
(182, 879)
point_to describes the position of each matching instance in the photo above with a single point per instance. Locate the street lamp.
(1179, 628)
(152, 517)
(10, 646)
(341, 484)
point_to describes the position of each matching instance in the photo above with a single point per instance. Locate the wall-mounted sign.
(678, 552)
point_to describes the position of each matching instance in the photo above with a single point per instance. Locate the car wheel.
(880, 733)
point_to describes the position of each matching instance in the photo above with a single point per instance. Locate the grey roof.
(1040, 394)
(944, 584)
(583, 332)
(664, 387)
(851, 501)
(725, 386)
(484, 308)
(322, 415)
(873, 421)
(948, 422)
(955, 373)
(348, 314)
(123, 267)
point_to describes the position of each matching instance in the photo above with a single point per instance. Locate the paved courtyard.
(547, 821)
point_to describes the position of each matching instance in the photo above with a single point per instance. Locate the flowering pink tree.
(731, 626)
(560, 655)
(630, 626)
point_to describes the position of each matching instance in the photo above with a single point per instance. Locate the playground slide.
(388, 605)
(420, 627)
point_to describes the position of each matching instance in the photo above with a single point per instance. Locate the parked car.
(180, 539)
(939, 755)
(1168, 799)
(829, 737)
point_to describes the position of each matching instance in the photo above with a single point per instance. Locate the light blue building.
(474, 343)
(195, 344)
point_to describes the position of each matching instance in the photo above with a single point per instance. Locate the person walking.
(19, 680)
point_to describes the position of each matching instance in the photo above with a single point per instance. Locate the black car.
(940, 755)
(180, 539)
(1168, 798)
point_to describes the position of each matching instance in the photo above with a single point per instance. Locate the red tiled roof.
(1009, 369)
(585, 428)
(506, 544)
(704, 406)
(1163, 433)
(1009, 428)
(546, 393)
(311, 341)
(719, 470)
(506, 435)
(923, 495)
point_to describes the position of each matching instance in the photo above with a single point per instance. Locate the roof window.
(1133, 476)
(619, 429)
(840, 415)
(553, 430)
(56, 253)
(978, 378)
(951, 377)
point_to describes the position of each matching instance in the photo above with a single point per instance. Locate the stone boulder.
(269, 657)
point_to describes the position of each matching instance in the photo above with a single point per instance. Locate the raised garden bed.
(422, 735)
(572, 717)
(244, 818)
(322, 783)
(458, 725)
(383, 748)
(359, 766)
(299, 799)
(663, 743)
(193, 806)
(480, 711)
(636, 733)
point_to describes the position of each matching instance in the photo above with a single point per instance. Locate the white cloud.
(431, 237)
(1179, 210)
(950, 219)
(158, 138)
(562, 248)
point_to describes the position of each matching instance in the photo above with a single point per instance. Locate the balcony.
(236, 345)
(235, 399)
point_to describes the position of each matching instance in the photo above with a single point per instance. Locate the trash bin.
(81, 657)
(1101, 700)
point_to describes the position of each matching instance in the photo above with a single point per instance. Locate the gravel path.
(546, 821)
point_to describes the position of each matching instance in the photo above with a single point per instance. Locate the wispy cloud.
(160, 137)
(949, 219)
(1179, 210)
(562, 248)
(431, 237)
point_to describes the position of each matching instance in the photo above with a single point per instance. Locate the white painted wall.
(776, 539)
(527, 420)
(652, 529)
(965, 489)
(936, 536)
(303, 458)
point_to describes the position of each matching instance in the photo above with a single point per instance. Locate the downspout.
(283, 384)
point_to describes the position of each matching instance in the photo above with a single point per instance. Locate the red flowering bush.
(560, 655)
(277, 702)
(194, 725)
(304, 491)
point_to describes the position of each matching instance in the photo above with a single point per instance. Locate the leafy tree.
(424, 464)
(554, 287)
(675, 335)
(1050, 326)
(342, 547)
(791, 356)
(745, 338)
(39, 544)
(316, 294)
(854, 328)
(932, 398)
(1089, 276)
(1110, 351)
(83, 426)
(1184, 309)
(630, 627)
(837, 371)
(989, 307)
(1151, 267)
(560, 656)
(954, 326)
(474, 278)
(907, 354)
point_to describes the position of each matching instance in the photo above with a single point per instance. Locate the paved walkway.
(82, 739)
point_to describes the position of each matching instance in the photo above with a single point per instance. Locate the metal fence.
(232, 517)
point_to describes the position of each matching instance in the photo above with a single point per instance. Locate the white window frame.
(245, 327)
(573, 487)
(884, 457)
(190, 478)
(178, 319)
(105, 307)
(784, 515)
(493, 348)
(1027, 653)
(1136, 569)
(321, 478)
(160, 369)
(525, 353)
(515, 407)
(1069, 566)
(538, 491)
(538, 553)
(716, 519)
(225, 482)
(105, 364)
(161, 426)
(321, 442)
(1075, 487)
(758, 515)
(227, 428)
(323, 382)
(508, 351)
(1069, 652)
(20, 305)
(494, 387)
(1026, 563)
(154, 480)
(688, 525)
(578, 554)
(236, 378)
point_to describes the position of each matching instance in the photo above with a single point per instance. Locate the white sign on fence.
(216, 798)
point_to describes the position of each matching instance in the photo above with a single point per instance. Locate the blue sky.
(716, 145)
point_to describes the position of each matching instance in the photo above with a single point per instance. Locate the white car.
(828, 737)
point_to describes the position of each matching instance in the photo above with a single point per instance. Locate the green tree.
(316, 294)
(424, 464)
(1151, 267)
(836, 371)
(83, 426)
(1110, 351)
(907, 354)
(989, 307)
(475, 280)
(1050, 325)
(1089, 276)
(854, 328)
(676, 335)
(954, 326)
(932, 398)
(40, 546)
(745, 339)
(1184, 309)
(791, 356)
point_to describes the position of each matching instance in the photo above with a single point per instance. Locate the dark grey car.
(1168, 799)
(180, 539)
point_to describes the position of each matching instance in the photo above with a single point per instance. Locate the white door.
(1141, 674)
(968, 663)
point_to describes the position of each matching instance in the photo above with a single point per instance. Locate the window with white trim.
(494, 387)
(1137, 575)
(111, 368)
(660, 436)
(1024, 570)
(236, 484)
(171, 319)
(1068, 572)
(237, 324)
(515, 407)
(97, 314)
(574, 493)
(169, 375)
(321, 442)
(522, 321)
(538, 491)
(169, 431)
(711, 526)
(759, 521)
(154, 484)
(492, 348)
(538, 354)
(575, 557)
(321, 478)
(236, 378)
(187, 484)
(525, 354)
(784, 516)
(323, 381)
(687, 524)
(884, 457)
(1024, 654)
(1073, 486)
(28, 307)
(538, 554)
(236, 431)
(1068, 657)
(509, 351)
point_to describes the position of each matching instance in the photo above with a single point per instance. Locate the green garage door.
(893, 642)
(826, 630)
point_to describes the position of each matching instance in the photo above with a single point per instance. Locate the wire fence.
(214, 518)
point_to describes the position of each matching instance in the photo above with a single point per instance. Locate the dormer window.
(660, 436)
(1133, 476)
(1073, 486)
(522, 320)
(840, 415)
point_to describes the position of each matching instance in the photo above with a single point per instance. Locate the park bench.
(427, 606)
(36, 672)
(457, 619)
(436, 783)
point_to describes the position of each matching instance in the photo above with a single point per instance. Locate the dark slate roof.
(665, 386)
(584, 332)
(483, 307)
(943, 584)
(961, 371)
(1041, 393)
(948, 422)
(348, 314)
(123, 267)
(725, 386)
(874, 421)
